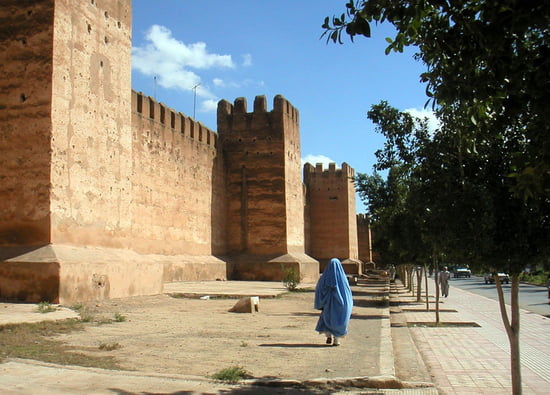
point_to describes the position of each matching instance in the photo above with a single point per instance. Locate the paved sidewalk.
(476, 360)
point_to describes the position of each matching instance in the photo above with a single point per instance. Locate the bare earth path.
(168, 335)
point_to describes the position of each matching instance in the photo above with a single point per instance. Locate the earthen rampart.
(177, 182)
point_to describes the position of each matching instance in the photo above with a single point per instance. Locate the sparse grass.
(109, 346)
(37, 341)
(232, 375)
(244, 344)
(86, 316)
(45, 307)
(119, 317)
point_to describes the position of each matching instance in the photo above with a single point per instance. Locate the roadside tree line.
(477, 189)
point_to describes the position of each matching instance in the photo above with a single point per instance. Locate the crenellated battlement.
(150, 109)
(363, 219)
(229, 114)
(311, 171)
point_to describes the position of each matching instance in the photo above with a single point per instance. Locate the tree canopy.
(479, 187)
(491, 56)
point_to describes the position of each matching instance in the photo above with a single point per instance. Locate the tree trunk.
(419, 283)
(410, 276)
(512, 329)
(436, 279)
(426, 286)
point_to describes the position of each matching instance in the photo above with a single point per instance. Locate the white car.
(462, 272)
(489, 278)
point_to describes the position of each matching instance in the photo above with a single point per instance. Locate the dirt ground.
(196, 337)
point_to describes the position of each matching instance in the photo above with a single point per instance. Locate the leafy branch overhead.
(490, 58)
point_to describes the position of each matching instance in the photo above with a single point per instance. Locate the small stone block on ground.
(249, 304)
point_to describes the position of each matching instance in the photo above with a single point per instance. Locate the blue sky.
(245, 48)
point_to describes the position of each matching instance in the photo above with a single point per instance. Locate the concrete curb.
(387, 359)
(374, 382)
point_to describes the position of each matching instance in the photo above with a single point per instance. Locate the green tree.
(487, 75)
(492, 56)
(456, 200)
(388, 201)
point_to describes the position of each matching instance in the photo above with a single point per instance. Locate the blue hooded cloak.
(333, 297)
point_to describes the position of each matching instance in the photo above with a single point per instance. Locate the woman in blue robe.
(333, 297)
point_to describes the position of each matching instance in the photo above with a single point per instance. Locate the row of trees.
(476, 190)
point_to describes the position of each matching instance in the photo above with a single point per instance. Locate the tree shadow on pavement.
(370, 303)
(369, 317)
(294, 345)
(255, 389)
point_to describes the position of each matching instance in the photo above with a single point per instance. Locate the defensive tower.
(66, 143)
(264, 189)
(330, 201)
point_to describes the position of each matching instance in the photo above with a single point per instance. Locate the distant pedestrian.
(444, 277)
(333, 297)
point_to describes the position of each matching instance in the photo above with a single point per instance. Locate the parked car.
(489, 278)
(461, 271)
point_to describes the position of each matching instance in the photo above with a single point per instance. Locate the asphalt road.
(531, 297)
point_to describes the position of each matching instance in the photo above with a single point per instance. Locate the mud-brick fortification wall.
(106, 193)
(265, 214)
(65, 218)
(69, 128)
(26, 29)
(330, 200)
(66, 137)
(178, 187)
(91, 156)
(178, 182)
(262, 149)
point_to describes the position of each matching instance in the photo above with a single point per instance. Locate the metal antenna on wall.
(195, 98)
(155, 87)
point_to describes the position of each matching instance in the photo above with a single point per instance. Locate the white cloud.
(170, 60)
(247, 60)
(218, 82)
(314, 159)
(433, 122)
(209, 105)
